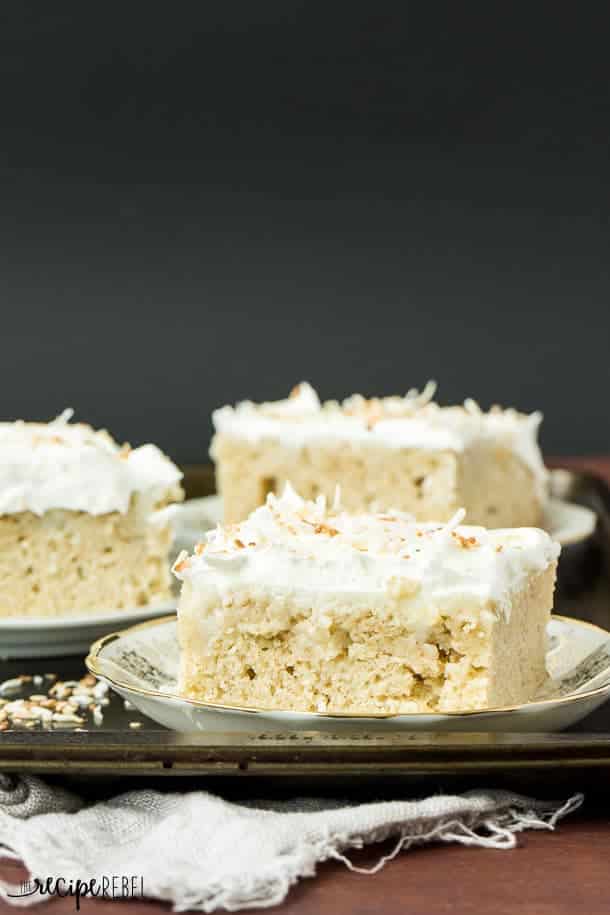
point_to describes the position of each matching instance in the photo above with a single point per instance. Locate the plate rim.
(583, 510)
(93, 658)
(40, 623)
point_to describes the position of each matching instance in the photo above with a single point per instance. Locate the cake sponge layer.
(495, 487)
(365, 661)
(66, 562)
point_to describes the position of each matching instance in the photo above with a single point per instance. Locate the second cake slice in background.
(406, 453)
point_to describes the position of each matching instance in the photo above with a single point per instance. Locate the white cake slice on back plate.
(77, 531)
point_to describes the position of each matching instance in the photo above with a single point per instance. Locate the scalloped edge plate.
(140, 664)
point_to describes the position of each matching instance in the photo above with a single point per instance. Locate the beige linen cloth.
(201, 852)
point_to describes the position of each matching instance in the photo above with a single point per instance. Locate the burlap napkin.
(201, 852)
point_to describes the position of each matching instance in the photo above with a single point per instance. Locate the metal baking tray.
(125, 743)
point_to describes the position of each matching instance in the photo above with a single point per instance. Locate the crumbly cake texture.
(312, 609)
(78, 525)
(406, 453)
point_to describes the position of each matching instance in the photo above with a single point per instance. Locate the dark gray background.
(204, 202)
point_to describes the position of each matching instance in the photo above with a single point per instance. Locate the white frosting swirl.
(413, 421)
(289, 545)
(71, 466)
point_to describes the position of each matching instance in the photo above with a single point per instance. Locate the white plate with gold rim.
(141, 664)
(566, 522)
(54, 637)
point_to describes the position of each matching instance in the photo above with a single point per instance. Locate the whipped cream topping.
(412, 421)
(292, 545)
(72, 466)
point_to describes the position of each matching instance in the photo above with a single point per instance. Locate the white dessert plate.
(566, 522)
(41, 637)
(141, 663)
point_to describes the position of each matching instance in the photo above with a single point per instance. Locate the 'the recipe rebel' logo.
(111, 887)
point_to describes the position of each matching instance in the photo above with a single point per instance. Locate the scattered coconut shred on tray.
(65, 704)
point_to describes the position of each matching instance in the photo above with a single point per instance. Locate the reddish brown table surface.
(565, 871)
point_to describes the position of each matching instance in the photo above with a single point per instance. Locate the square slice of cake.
(406, 453)
(78, 524)
(309, 609)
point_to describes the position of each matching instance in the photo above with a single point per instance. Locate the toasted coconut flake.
(64, 417)
(414, 397)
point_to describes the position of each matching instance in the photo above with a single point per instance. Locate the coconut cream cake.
(402, 452)
(310, 608)
(77, 531)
